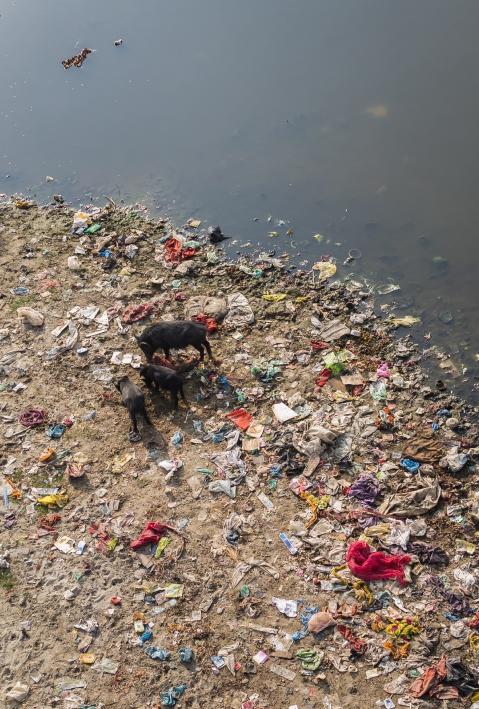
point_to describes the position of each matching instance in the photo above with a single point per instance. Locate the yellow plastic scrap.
(315, 503)
(325, 269)
(23, 204)
(362, 592)
(58, 499)
(403, 628)
(405, 321)
(273, 297)
(112, 544)
(173, 590)
(397, 648)
(162, 544)
(474, 643)
(377, 530)
(337, 575)
(120, 461)
(87, 658)
(12, 489)
(301, 298)
(360, 588)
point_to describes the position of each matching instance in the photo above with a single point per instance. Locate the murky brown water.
(357, 119)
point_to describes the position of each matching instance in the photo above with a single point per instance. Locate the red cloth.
(359, 646)
(151, 534)
(371, 565)
(174, 253)
(241, 418)
(211, 324)
(318, 345)
(430, 683)
(324, 375)
(33, 417)
(133, 313)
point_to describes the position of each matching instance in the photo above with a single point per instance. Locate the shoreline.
(341, 420)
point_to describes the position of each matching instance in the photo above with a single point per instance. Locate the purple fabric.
(458, 602)
(365, 489)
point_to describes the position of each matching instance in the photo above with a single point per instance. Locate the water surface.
(356, 119)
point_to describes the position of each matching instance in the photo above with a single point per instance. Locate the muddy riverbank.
(314, 429)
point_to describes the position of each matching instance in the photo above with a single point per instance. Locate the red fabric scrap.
(317, 345)
(33, 417)
(358, 646)
(430, 682)
(174, 252)
(133, 313)
(151, 534)
(48, 522)
(324, 375)
(99, 532)
(211, 324)
(371, 565)
(241, 418)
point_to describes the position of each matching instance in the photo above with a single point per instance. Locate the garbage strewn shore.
(302, 533)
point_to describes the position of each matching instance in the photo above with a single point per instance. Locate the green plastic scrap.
(93, 228)
(173, 590)
(244, 591)
(205, 471)
(240, 396)
(266, 371)
(336, 362)
(112, 544)
(162, 544)
(310, 659)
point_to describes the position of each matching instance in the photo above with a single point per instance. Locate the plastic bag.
(241, 418)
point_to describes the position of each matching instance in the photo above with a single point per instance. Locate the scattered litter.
(310, 509)
(77, 60)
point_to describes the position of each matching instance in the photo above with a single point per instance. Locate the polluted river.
(295, 183)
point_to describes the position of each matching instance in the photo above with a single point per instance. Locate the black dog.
(134, 401)
(174, 336)
(165, 378)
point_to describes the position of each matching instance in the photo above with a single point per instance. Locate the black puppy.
(165, 378)
(134, 401)
(174, 335)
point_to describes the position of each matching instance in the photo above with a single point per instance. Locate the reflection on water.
(354, 119)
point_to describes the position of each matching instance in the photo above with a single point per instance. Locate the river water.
(355, 119)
